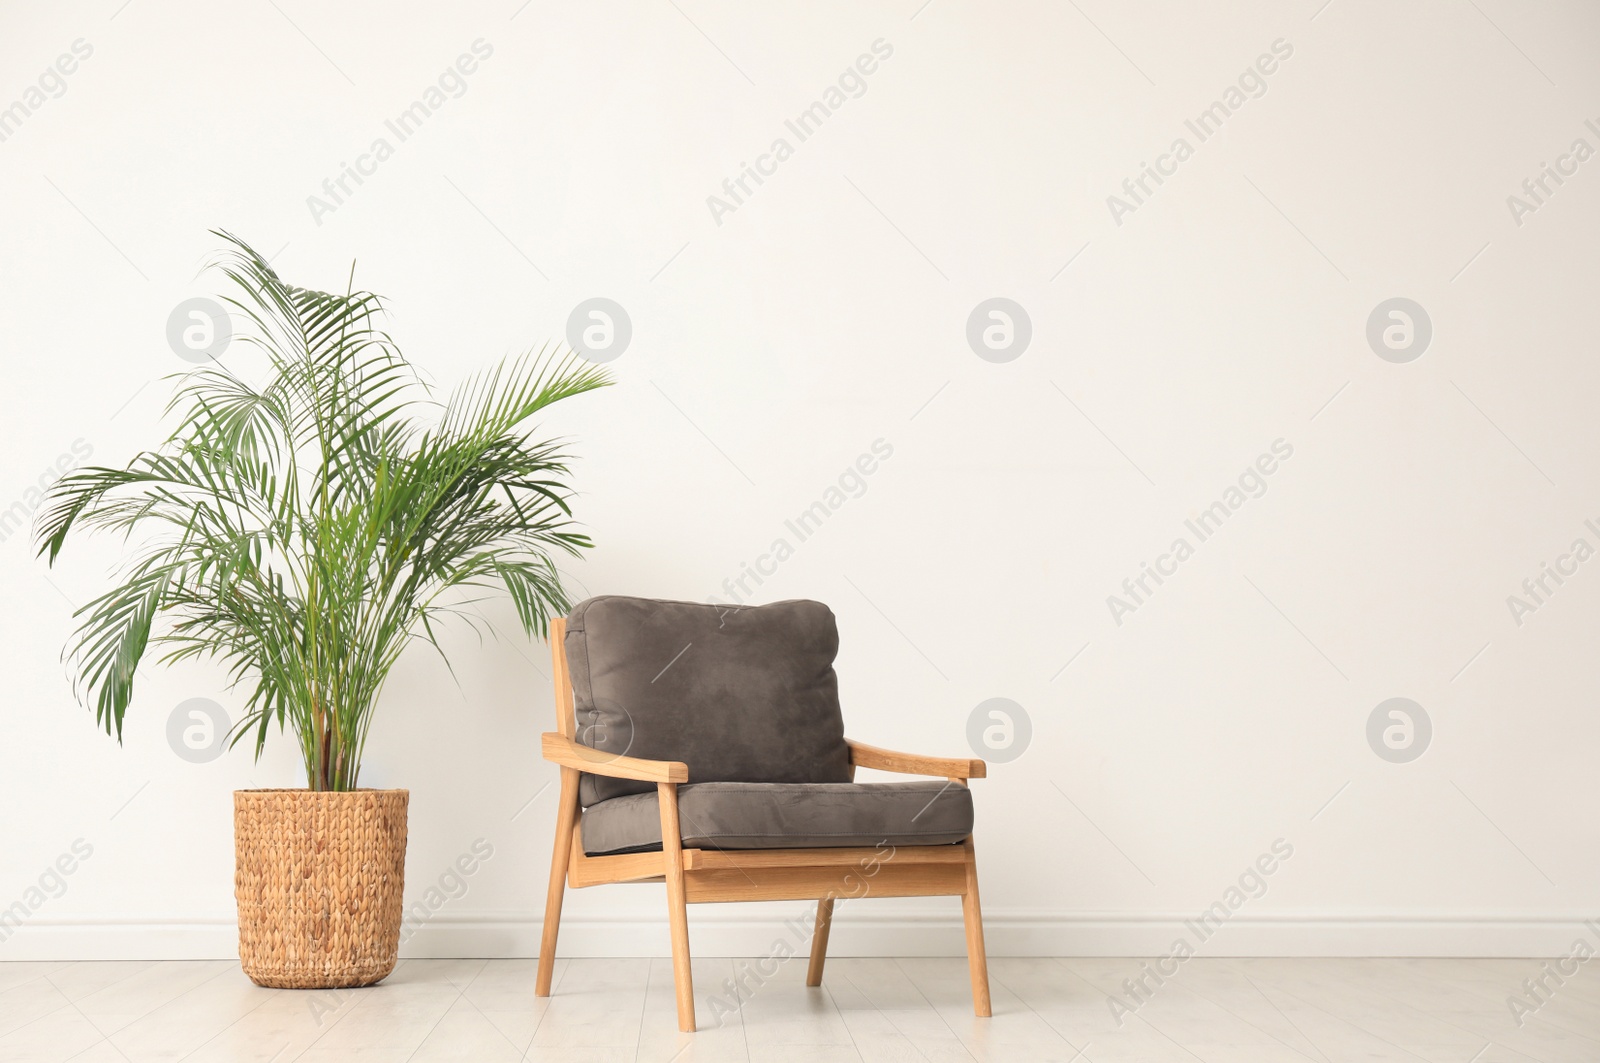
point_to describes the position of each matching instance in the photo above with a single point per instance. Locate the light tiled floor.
(484, 1011)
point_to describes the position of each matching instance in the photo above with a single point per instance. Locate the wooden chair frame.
(701, 875)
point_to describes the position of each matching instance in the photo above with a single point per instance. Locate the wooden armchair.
(732, 855)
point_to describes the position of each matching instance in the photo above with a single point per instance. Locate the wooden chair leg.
(566, 823)
(977, 957)
(677, 904)
(819, 941)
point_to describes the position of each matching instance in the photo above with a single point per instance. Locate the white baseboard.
(933, 933)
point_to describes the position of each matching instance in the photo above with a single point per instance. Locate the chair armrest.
(562, 750)
(865, 756)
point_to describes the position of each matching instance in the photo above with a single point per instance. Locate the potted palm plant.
(304, 529)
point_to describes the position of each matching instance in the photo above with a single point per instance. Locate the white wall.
(774, 345)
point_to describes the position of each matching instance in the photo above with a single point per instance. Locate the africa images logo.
(1251, 483)
(451, 84)
(1251, 84)
(850, 85)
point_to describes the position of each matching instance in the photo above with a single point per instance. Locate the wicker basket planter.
(319, 880)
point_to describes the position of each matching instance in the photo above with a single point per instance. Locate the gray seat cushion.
(737, 694)
(741, 815)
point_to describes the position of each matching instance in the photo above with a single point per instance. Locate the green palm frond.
(304, 531)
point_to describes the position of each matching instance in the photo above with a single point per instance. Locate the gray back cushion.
(737, 694)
